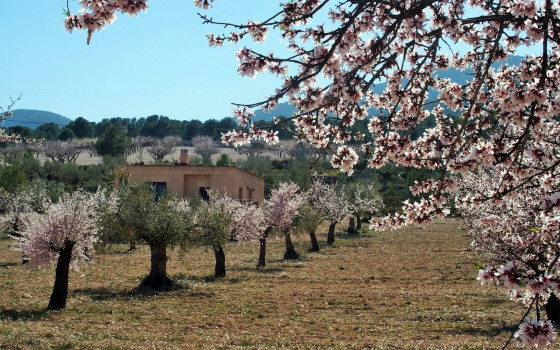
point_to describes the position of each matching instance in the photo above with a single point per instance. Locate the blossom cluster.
(330, 201)
(19, 205)
(250, 221)
(282, 206)
(75, 219)
(535, 334)
(95, 14)
(504, 114)
(520, 234)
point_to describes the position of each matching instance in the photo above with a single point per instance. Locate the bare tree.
(15, 150)
(60, 151)
(140, 142)
(331, 203)
(206, 147)
(86, 145)
(165, 146)
(254, 149)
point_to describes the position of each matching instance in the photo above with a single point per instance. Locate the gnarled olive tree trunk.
(60, 290)
(220, 268)
(157, 279)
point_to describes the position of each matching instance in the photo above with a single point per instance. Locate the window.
(159, 189)
(240, 193)
(203, 193)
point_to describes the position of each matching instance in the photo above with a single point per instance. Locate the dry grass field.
(414, 288)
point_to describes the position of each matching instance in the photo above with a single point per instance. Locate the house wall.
(186, 180)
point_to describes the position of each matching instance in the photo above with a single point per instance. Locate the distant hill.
(460, 77)
(33, 118)
(284, 109)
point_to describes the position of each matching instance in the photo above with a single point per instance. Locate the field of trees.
(413, 288)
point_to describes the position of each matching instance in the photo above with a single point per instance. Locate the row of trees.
(64, 233)
(153, 126)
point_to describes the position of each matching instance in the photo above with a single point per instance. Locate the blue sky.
(156, 63)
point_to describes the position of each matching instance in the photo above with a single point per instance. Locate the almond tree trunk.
(358, 222)
(351, 226)
(552, 308)
(220, 268)
(60, 290)
(314, 243)
(330, 235)
(157, 279)
(262, 252)
(291, 253)
(262, 247)
(132, 246)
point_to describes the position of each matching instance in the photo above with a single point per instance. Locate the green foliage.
(192, 129)
(48, 131)
(28, 164)
(82, 128)
(69, 174)
(88, 177)
(55, 190)
(113, 142)
(153, 221)
(308, 219)
(207, 159)
(224, 160)
(23, 131)
(213, 226)
(395, 182)
(298, 172)
(195, 160)
(258, 165)
(158, 126)
(66, 134)
(12, 178)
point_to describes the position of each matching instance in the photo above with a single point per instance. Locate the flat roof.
(195, 166)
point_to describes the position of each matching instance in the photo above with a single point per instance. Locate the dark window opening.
(159, 189)
(203, 193)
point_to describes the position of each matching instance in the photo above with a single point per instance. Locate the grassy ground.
(414, 288)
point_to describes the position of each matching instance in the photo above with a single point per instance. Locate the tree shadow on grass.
(361, 236)
(9, 264)
(491, 331)
(181, 284)
(23, 315)
(185, 280)
(101, 294)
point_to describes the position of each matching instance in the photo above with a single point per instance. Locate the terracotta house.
(193, 181)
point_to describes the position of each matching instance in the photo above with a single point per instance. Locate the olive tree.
(160, 222)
